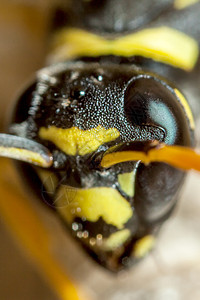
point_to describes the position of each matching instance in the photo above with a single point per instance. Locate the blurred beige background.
(172, 271)
(22, 51)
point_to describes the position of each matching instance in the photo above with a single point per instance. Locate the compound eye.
(142, 100)
(149, 101)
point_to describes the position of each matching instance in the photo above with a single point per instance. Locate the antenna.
(25, 150)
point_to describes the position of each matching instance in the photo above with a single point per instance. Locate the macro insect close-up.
(98, 144)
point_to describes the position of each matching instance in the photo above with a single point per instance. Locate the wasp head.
(82, 111)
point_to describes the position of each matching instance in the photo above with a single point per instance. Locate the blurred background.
(172, 271)
(22, 51)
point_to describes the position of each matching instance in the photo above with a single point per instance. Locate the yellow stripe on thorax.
(181, 4)
(74, 141)
(92, 204)
(186, 107)
(163, 44)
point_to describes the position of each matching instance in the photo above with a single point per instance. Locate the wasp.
(105, 132)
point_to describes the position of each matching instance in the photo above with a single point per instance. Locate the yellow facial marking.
(163, 44)
(186, 108)
(92, 204)
(116, 240)
(126, 182)
(143, 246)
(181, 4)
(74, 141)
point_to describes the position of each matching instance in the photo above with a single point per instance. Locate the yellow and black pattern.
(74, 141)
(163, 44)
(102, 108)
(112, 91)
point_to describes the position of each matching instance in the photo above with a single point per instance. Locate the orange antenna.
(180, 157)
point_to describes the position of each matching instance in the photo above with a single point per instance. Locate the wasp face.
(81, 110)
